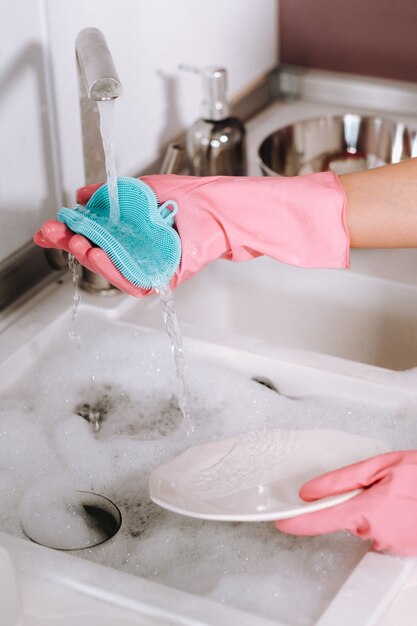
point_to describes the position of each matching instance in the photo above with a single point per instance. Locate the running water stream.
(76, 298)
(174, 333)
(106, 110)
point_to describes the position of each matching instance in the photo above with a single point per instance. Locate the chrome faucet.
(98, 81)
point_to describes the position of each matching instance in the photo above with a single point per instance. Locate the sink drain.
(262, 380)
(73, 520)
(266, 382)
(93, 414)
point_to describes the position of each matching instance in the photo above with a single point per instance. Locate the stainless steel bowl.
(343, 144)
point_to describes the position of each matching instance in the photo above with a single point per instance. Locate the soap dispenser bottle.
(215, 143)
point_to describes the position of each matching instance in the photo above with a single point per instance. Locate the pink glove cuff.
(296, 220)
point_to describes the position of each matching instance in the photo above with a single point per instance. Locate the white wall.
(27, 184)
(40, 134)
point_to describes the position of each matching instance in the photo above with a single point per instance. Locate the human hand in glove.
(385, 511)
(299, 221)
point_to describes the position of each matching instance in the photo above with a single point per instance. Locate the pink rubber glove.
(386, 511)
(298, 220)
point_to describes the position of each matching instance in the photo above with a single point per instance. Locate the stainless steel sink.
(342, 143)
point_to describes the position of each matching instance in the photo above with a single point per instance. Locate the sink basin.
(340, 313)
(245, 334)
(161, 568)
(341, 143)
(179, 570)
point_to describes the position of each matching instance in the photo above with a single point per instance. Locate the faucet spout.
(97, 67)
(98, 82)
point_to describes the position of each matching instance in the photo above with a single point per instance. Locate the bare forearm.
(381, 209)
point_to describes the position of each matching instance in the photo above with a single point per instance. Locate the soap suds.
(130, 375)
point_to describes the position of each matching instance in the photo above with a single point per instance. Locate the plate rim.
(270, 516)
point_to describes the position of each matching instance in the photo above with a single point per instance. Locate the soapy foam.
(131, 374)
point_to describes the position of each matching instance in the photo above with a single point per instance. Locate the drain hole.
(265, 382)
(93, 414)
(104, 521)
(73, 520)
(111, 412)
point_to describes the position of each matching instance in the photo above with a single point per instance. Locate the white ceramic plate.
(257, 475)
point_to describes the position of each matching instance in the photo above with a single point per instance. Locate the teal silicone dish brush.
(143, 245)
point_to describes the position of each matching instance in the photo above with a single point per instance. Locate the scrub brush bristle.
(143, 246)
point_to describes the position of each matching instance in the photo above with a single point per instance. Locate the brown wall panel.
(370, 37)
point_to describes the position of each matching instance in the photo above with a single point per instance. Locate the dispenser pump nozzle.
(214, 106)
